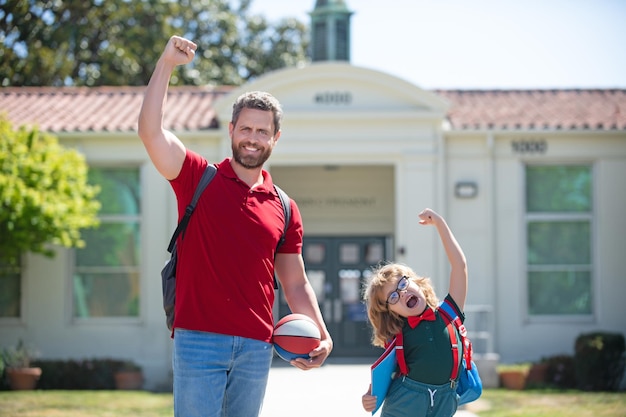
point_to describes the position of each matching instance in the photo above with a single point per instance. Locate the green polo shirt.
(427, 349)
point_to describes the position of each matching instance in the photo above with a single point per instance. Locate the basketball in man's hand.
(295, 335)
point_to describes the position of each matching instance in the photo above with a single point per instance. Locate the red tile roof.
(592, 109)
(105, 109)
(115, 109)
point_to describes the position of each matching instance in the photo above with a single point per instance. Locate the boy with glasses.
(401, 303)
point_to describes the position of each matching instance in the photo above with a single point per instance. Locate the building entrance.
(338, 267)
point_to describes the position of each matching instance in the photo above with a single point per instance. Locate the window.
(10, 293)
(320, 31)
(106, 278)
(559, 234)
(342, 40)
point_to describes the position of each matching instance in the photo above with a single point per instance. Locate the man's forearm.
(155, 96)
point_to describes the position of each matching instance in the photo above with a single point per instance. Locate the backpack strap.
(455, 351)
(452, 319)
(286, 203)
(452, 315)
(206, 178)
(399, 340)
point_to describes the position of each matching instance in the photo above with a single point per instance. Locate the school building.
(532, 183)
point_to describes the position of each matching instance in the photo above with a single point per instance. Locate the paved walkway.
(334, 390)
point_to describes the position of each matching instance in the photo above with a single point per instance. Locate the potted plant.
(17, 362)
(537, 374)
(513, 376)
(128, 376)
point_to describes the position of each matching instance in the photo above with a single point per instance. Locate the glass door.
(338, 269)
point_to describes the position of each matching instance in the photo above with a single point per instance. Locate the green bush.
(87, 374)
(599, 360)
(4, 383)
(560, 372)
(45, 196)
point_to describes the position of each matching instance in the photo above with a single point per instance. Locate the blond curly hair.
(385, 323)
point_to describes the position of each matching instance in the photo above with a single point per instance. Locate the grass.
(493, 403)
(85, 404)
(549, 403)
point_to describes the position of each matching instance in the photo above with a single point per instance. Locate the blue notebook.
(383, 371)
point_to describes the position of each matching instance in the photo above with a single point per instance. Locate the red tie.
(428, 315)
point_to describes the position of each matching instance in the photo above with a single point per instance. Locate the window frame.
(529, 217)
(137, 269)
(20, 319)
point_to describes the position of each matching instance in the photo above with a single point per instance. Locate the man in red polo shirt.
(224, 295)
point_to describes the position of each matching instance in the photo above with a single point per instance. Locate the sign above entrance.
(338, 202)
(333, 97)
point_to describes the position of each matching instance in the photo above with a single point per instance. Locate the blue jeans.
(219, 376)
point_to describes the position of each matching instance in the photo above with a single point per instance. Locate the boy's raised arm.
(456, 257)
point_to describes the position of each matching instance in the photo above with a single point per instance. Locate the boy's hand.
(428, 217)
(368, 400)
(179, 51)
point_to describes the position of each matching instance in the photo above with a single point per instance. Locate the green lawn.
(549, 403)
(493, 403)
(84, 404)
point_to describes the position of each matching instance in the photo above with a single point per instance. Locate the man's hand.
(179, 51)
(316, 357)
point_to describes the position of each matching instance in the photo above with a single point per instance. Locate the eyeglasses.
(403, 284)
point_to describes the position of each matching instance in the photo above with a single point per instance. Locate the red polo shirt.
(225, 270)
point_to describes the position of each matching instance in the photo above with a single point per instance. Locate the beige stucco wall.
(495, 242)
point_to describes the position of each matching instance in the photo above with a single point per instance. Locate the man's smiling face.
(253, 138)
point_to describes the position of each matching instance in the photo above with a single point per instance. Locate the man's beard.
(250, 162)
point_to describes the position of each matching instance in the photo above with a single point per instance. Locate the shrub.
(87, 374)
(4, 383)
(560, 372)
(599, 360)
(536, 377)
(45, 196)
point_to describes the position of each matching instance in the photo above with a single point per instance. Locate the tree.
(44, 194)
(91, 43)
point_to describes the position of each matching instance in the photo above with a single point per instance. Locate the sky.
(483, 44)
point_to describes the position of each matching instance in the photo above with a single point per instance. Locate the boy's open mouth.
(411, 301)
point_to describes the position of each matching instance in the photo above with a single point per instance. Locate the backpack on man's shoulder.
(168, 273)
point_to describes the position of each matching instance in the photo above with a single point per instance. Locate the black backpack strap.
(286, 203)
(206, 178)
